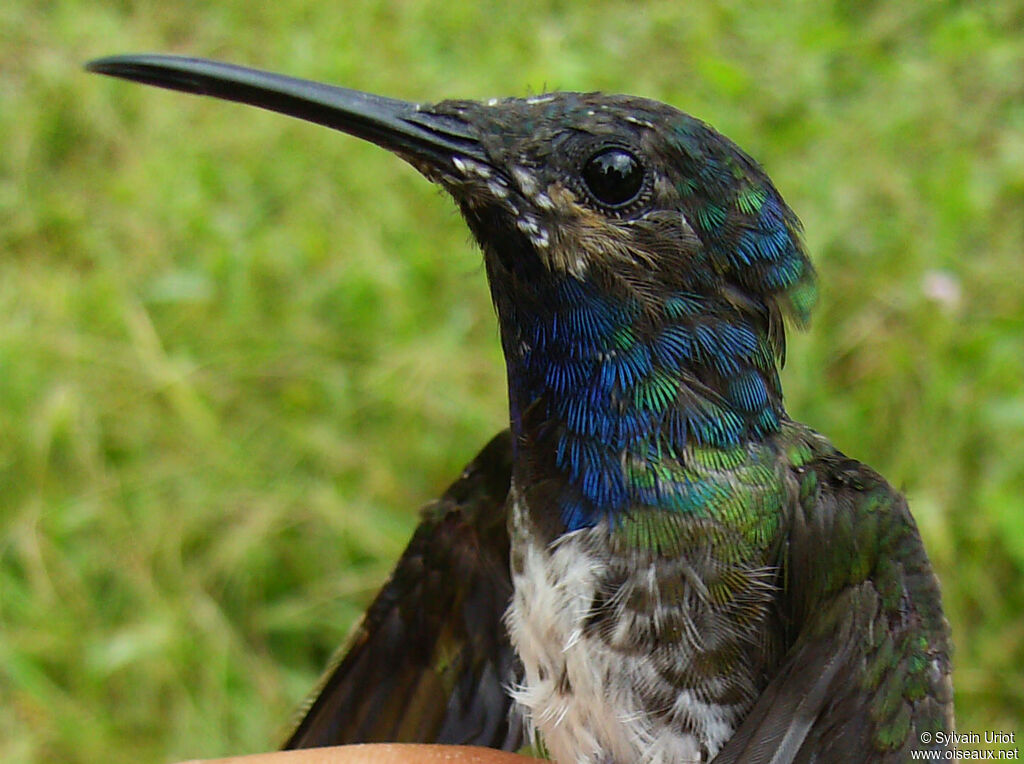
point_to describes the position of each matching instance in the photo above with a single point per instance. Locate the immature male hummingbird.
(656, 564)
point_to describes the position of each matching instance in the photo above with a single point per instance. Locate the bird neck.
(607, 388)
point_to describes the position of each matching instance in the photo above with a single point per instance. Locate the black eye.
(613, 176)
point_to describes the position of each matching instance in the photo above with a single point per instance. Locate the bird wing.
(869, 667)
(431, 660)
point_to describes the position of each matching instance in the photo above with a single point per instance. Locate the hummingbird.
(654, 562)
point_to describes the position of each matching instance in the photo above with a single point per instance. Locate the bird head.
(641, 264)
(625, 191)
(613, 189)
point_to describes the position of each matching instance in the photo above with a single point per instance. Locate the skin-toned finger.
(380, 753)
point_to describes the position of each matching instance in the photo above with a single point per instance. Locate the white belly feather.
(580, 693)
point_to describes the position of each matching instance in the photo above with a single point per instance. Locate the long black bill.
(400, 126)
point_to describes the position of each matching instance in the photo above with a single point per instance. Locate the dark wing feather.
(869, 666)
(431, 660)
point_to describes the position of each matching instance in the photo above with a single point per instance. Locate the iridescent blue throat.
(622, 390)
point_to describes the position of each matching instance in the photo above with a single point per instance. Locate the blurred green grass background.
(237, 352)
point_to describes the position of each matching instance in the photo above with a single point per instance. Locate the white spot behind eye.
(527, 224)
(478, 169)
(538, 236)
(525, 180)
(468, 167)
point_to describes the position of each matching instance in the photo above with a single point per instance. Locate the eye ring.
(613, 176)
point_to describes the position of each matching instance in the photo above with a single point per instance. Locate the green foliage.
(237, 352)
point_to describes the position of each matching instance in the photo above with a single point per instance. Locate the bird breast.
(592, 688)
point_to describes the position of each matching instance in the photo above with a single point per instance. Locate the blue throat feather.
(623, 392)
(634, 384)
